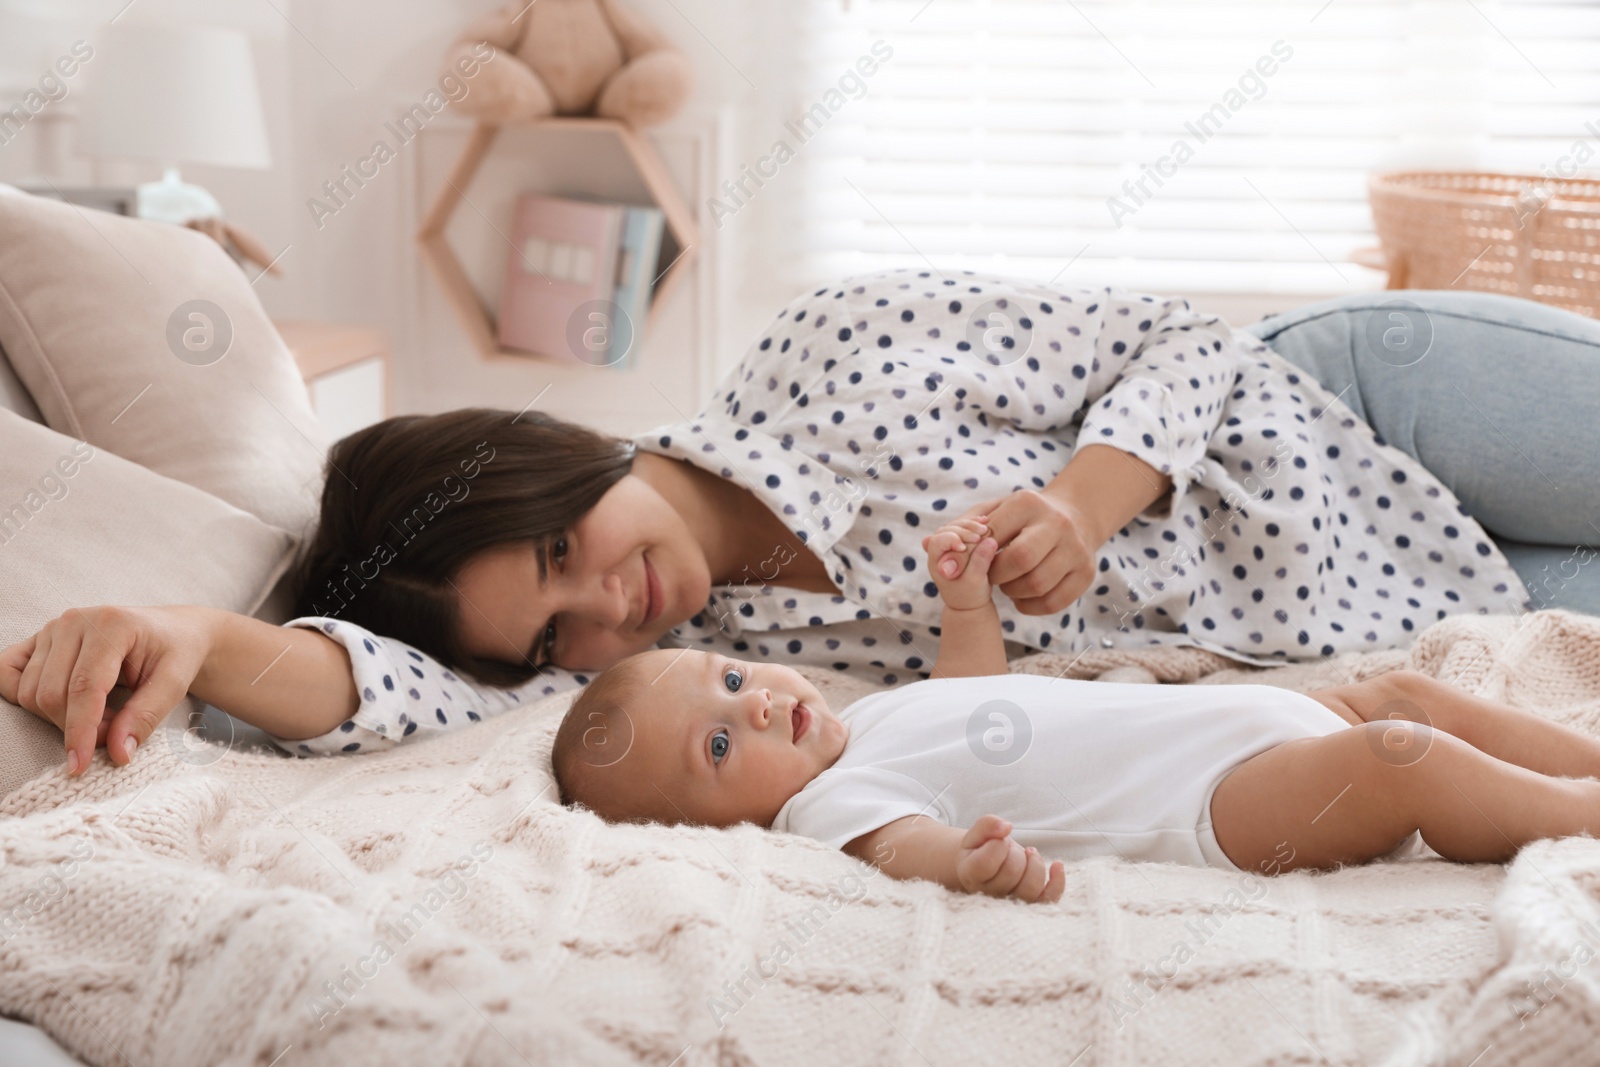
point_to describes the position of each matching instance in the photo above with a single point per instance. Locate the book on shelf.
(637, 270)
(563, 255)
(579, 278)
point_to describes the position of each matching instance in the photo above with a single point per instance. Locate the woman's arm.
(406, 695)
(1168, 396)
(287, 681)
(1105, 488)
(1148, 381)
(1052, 536)
(316, 685)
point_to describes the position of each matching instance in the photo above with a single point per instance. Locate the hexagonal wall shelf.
(476, 318)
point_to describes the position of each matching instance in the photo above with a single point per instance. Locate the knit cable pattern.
(433, 904)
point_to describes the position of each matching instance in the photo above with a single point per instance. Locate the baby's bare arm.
(913, 847)
(971, 644)
(982, 859)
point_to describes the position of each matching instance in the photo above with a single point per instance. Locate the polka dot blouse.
(870, 412)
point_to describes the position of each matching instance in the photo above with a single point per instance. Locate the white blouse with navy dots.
(871, 412)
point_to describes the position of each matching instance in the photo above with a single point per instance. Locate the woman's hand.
(959, 557)
(64, 673)
(1047, 550)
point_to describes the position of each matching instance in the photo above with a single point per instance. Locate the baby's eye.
(735, 673)
(719, 745)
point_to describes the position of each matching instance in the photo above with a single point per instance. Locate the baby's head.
(684, 736)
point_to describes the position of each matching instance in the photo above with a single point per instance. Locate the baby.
(984, 781)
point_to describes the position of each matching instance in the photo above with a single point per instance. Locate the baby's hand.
(959, 555)
(994, 864)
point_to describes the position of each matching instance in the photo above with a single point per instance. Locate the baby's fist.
(993, 864)
(959, 555)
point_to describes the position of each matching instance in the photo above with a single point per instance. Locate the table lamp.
(174, 94)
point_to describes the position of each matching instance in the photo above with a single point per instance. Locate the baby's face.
(727, 741)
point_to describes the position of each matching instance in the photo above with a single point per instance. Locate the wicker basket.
(1517, 234)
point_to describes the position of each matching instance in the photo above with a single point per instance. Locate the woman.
(1154, 476)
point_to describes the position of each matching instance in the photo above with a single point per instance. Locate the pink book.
(563, 255)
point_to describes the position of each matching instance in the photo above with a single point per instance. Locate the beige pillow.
(80, 526)
(146, 340)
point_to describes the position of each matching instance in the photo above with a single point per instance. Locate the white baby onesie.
(1079, 768)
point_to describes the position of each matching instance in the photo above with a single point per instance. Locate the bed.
(434, 904)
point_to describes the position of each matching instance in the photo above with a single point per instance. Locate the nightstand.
(346, 370)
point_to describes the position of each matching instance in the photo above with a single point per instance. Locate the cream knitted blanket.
(433, 905)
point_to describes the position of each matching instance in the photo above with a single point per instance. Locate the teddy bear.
(569, 57)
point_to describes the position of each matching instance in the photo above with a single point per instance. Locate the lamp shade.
(176, 95)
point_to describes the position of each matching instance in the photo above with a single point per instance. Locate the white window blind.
(999, 132)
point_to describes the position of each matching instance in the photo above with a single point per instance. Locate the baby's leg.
(1502, 731)
(1342, 798)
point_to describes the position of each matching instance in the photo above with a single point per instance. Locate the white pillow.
(117, 328)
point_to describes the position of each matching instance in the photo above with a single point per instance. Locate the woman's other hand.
(1047, 550)
(64, 673)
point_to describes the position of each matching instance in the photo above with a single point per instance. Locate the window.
(1163, 145)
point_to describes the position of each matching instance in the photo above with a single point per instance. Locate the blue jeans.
(1498, 397)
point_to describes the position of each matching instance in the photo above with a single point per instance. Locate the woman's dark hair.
(407, 501)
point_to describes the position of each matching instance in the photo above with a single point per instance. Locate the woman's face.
(592, 606)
